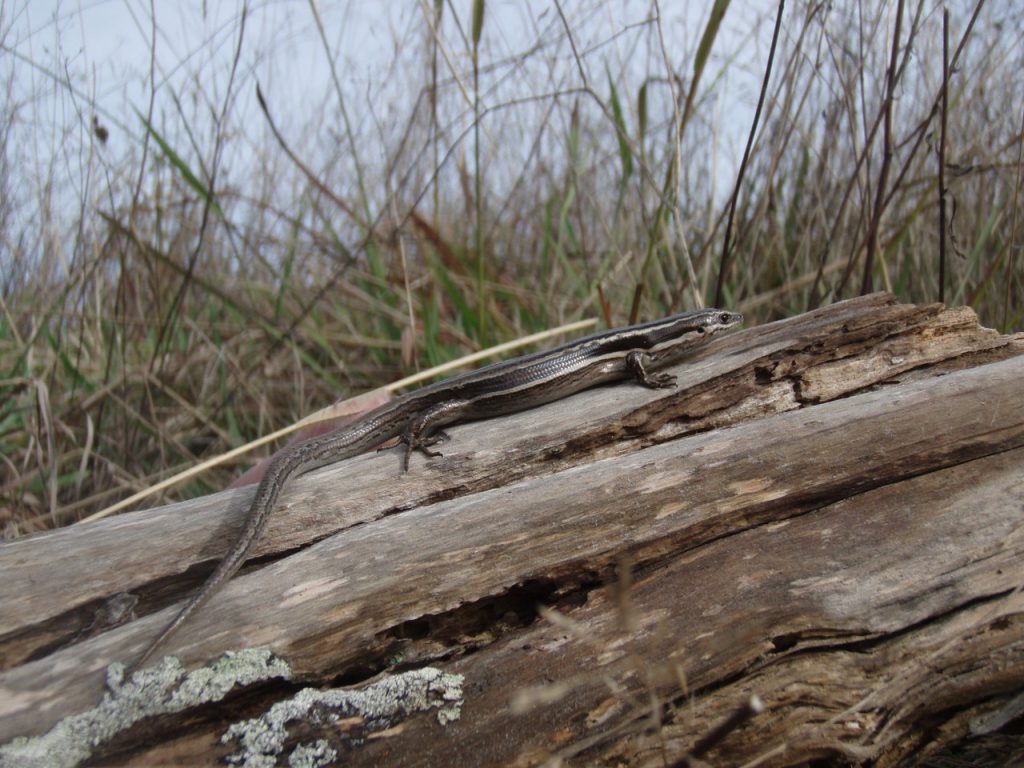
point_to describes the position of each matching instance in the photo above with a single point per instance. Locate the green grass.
(191, 304)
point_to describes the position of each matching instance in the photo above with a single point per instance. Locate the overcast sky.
(105, 45)
(103, 48)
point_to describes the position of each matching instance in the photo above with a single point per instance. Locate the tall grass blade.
(700, 60)
(625, 153)
(478, 21)
(707, 39)
(641, 113)
(186, 173)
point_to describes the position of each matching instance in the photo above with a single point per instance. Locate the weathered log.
(826, 513)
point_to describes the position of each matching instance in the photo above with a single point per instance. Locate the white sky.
(103, 48)
(105, 44)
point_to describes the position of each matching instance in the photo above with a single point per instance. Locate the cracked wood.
(807, 415)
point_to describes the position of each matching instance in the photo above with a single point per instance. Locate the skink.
(505, 387)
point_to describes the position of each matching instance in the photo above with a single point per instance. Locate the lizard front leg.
(636, 363)
(421, 433)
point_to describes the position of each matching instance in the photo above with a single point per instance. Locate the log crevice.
(827, 512)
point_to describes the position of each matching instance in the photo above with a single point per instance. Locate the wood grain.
(825, 512)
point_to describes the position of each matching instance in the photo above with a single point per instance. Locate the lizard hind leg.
(422, 432)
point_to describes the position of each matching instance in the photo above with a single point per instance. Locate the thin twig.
(887, 150)
(714, 737)
(677, 159)
(322, 188)
(919, 132)
(1012, 247)
(724, 265)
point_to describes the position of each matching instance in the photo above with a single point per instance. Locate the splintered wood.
(826, 515)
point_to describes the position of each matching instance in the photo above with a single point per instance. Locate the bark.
(825, 513)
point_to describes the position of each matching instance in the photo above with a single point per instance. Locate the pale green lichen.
(163, 689)
(314, 755)
(380, 705)
(166, 689)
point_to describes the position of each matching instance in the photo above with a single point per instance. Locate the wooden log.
(826, 513)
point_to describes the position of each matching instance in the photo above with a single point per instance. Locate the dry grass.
(212, 282)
